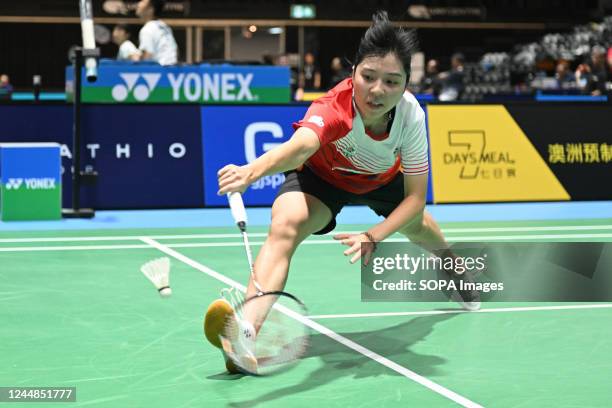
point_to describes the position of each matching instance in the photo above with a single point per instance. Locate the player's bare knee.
(285, 228)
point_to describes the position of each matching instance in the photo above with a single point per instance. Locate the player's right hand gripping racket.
(267, 333)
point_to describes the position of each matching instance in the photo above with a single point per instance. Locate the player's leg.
(425, 232)
(295, 216)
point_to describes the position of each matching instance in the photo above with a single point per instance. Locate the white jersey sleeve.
(414, 148)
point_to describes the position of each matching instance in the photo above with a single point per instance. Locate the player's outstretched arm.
(288, 156)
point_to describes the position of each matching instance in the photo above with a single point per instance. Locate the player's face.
(379, 83)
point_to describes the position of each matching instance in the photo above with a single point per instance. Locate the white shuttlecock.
(158, 272)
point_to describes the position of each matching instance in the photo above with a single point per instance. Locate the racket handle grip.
(238, 210)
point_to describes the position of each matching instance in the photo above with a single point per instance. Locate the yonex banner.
(30, 181)
(148, 83)
(239, 135)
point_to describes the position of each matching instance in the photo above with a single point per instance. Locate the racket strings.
(235, 298)
(280, 340)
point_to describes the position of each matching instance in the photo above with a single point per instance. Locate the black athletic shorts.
(383, 200)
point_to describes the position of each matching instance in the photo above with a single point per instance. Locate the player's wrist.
(371, 239)
(251, 174)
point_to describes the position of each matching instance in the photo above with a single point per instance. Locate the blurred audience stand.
(593, 76)
(296, 92)
(310, 77)
(430, 83)
(453, 80)
(565, 79)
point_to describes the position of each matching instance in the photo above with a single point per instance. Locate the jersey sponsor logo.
(140, 91)
(317, 120)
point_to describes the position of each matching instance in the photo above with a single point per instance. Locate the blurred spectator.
(127, 49)
(310, 77)
(452, 81)
(338, 72)
(430, 83)
(156, 41)
(592, 77)
(563, 75)
(6, 89)
(283, 60)
(610, 64)
(267, 59)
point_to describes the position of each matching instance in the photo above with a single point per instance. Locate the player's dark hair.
(158, 6)
(383, 38)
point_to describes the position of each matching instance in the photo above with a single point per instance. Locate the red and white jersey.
(351, 159)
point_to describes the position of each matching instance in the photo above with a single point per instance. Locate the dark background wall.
(27, 49)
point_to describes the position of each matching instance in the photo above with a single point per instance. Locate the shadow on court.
(339, 361)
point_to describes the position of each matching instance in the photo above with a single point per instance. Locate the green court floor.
(76, 311)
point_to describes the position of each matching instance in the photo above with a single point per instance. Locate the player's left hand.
(354, 241)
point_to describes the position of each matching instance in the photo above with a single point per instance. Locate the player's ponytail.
(383, 38)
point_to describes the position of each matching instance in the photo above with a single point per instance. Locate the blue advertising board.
(157, 156)
(146, 157)
(239, 135)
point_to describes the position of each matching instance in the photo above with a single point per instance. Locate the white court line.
(307, 242)
(72, 248)
(459, 399)
(127, 238)
(441, 312)
(261, 234)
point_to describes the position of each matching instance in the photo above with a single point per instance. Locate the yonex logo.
(14, 183)
(31, 183)
(140, 91)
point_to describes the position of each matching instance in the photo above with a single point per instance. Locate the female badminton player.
(365, 143)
